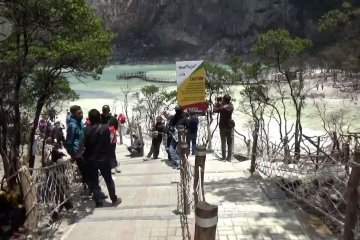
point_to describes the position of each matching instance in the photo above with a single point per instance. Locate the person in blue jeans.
(179, 119)
(174, 155)
(192, 124)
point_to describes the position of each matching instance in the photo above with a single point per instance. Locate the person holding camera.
(157, 134)
(226, 125)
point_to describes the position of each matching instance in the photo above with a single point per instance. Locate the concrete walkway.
(249, 208)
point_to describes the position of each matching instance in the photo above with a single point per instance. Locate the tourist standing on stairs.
(179, 119)
(167, 136)
(191, 135)
(98, 154)
(72, 141)
(226, 125)
(157, 130)
(111, 121)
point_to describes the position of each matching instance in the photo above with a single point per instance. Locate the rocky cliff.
(189, 29)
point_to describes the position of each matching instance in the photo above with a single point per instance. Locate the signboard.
(190, 78)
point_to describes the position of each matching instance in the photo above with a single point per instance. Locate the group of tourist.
(92, 145)
(167, 132)
(93, 148)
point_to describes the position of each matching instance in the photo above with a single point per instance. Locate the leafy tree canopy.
(344, 24)
(279, 47)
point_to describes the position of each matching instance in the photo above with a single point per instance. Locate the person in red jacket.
(121, 121)
(111, 121)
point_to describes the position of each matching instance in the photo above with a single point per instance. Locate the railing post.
(346, 154)
(317, 153)
(199, 162)
(287, 156)
(121, 134)
(182, 146)
(352, 199)
(29, 195)
(248, 145)
(206, 218)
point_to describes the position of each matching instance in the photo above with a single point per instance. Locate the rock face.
(191, 29)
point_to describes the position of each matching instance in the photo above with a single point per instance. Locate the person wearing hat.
(110, 120)
(226, 125)
(137, 147)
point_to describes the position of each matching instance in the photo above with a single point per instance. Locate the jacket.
(97, 143)
(73, 135)
(192, 124)
(137, 144)
(110, 120)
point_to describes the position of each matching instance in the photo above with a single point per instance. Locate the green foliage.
(170, 97)
(337, 18)
(151, 102)
(344, 25)
(279, 47)
(217, 78)
(58, 92)
(59, 34)
(150, 90)
(50, 39)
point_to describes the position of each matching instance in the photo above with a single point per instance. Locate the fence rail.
(45, 191)
(321, 179)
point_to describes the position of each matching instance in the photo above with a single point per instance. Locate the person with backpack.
(98, 154)
(112, 122)
(192, 128)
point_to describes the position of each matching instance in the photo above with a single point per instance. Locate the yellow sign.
(190, 76)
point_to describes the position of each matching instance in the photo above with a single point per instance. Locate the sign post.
(190, 78)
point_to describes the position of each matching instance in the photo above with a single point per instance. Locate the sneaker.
(99, 204)
(117, 169)
(113, 171)
(116, 202)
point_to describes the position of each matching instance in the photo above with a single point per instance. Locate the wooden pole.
(346, 153)
(248, 145)
(29, 195)
(182, 146)
(317, 153)
(121, 134)
(199, 162)
(286, 151)
(352, 199)
(206, 218)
